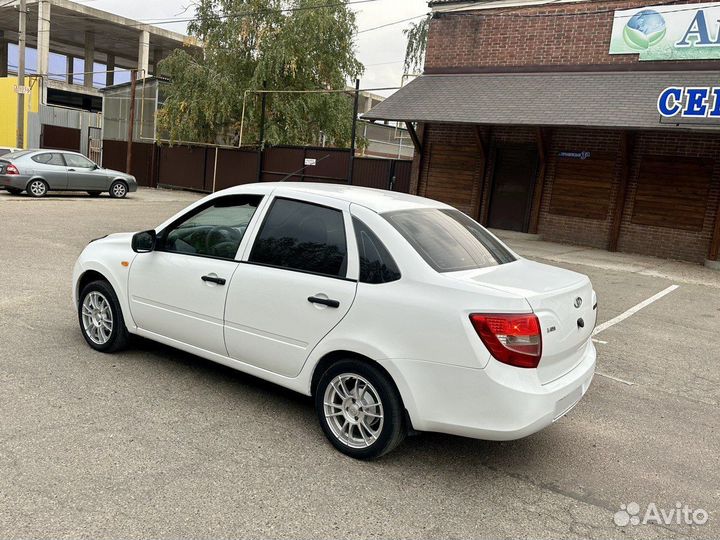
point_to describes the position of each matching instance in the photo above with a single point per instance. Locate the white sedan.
(396, 313)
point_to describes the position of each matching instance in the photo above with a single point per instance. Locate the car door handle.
(71, 170)
(214, 279)
(324, 301)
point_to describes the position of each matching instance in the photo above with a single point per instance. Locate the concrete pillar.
(3, 55)
(43, 37)
(110, 75)
(69, 68)
(89, 59)
(144, 54)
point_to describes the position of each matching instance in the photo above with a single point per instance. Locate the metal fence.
(210, 169)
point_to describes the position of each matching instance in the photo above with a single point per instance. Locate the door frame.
(531, 190)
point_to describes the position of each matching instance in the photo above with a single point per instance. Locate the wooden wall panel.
(581, 187)
(672, 192)
(451, 175)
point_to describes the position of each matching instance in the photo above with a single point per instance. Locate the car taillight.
(11, 169)
(511, 338)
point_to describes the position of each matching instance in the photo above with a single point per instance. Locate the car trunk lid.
(563, 302)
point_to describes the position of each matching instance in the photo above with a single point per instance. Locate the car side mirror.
(144, 242)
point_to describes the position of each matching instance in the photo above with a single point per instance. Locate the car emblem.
(578, 302)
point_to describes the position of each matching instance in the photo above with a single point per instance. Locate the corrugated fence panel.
(115, 157)
(194, 167)
(182, 166)
(235, 167)
(373, 173)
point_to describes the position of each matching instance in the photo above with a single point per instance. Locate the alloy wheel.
(119, 190)
(353, 410)
(97, 317)
(38, 188)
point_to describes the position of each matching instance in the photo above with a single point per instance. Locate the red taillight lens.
(11, 169)
(512, 339)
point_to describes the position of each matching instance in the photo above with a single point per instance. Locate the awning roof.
(597, 99)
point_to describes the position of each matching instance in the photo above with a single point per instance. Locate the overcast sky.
(382, 50)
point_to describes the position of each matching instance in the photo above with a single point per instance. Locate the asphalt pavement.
(153, 442)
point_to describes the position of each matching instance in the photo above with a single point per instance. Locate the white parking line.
(614, 378)
(612, 322)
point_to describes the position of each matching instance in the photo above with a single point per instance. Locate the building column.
(89, 59)
(110, 75)
(144, 54)
(3, 55)
(43, 37)
(70, 68)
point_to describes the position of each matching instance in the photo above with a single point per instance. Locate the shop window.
(672, 192)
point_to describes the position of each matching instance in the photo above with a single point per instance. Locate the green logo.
(644, 29)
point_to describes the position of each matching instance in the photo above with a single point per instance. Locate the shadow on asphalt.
(424, 447)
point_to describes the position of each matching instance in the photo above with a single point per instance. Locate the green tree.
(286, 44)
(417, 36)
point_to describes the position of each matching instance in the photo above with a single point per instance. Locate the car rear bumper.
(13, 181)
(499, 402)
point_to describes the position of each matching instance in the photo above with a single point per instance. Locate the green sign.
(676, 32)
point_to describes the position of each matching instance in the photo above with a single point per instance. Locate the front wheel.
(13, 191)
(359, 409)
(94, 193)
(101, 319)
(118, 189)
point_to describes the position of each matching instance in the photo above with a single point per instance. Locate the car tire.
(37, 188)
(359, 409)
(103, 333)
(94, 193)
(118, 189)
(14, 191)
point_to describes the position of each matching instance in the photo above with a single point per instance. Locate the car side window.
(376, 263)
(49, 158)
(302, 236)
(215, 230)
(73, 160)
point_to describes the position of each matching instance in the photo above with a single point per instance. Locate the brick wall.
(528, 36)
(658, 241)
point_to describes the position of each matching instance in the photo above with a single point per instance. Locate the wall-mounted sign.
(574, 155)
(310, 162)
(675, 32)
(689, 102)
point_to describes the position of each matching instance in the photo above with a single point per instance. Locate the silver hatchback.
(40, 171)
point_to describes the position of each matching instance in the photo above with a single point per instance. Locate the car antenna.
(303, 168)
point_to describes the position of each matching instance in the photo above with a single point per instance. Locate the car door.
(51, 167)
(84, 174)
(296, 282)
(178, 290)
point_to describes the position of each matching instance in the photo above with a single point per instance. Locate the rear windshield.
(448, 240)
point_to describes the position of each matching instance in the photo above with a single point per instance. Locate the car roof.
(378, 200)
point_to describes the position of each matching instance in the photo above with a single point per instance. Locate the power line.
(174, 20)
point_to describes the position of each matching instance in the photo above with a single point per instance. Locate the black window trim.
(262, 226)
(161, 235)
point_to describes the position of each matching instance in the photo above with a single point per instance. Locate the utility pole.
(22, 37)
(351, 162)
(131, 121)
